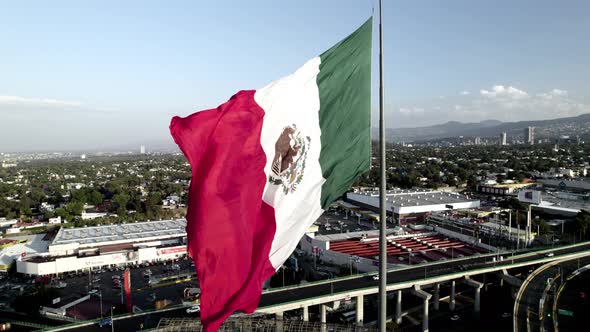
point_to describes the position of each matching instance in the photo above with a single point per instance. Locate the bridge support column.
(452, 297)
(306, 314)
(398, 307)
(425, 297)
(478, 286)
(360, 310)
(436, 296)
(323, 317)
(510, 279)
(279, 319)
(477, 299)
(425, 317)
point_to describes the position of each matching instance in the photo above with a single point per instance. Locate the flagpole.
(382, 188)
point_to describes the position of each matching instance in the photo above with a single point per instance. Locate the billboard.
(174, 250)
(529, 196)
(127, 288)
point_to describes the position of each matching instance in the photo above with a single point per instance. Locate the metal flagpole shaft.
(382, 188)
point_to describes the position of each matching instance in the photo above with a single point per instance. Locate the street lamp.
(283, 269)
(100, 296)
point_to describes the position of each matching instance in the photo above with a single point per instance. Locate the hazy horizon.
(82, 76)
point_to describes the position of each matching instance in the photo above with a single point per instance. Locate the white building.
(77, 249)
(412, 204)
(529, 135)
(503, 140)
(93, 215)
(56, 220)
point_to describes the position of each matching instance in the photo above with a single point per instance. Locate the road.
(315, 290)
(399, 276)
(573, 305)
(533, 305)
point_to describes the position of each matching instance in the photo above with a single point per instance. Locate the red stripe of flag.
(229, 228)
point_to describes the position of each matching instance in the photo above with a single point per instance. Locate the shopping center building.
(79, 249)
(412, 205)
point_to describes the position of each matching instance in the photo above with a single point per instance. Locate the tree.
(74, 208)
(95, 197)
(121, 200)
(472, 181)
(583, 222)
(513, 203)
(25, 206)
(61, 212)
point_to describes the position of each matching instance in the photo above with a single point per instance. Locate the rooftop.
(581, 184)
(416, 197)
(135, 231)
(408, 250)
(32, 245)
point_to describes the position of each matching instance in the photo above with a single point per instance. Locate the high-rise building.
(503, 139)
(477, 141)
(529, 135)
(142, 149)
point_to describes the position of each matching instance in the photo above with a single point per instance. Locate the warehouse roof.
(105, 233)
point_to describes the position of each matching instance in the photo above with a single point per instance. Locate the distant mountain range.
(573, 126)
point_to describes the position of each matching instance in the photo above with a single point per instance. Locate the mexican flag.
(266, 164)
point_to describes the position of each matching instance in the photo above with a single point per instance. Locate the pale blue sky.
(97, 74)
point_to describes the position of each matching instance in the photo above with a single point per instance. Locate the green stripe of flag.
(344, 83)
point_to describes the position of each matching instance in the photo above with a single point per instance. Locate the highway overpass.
(328, 292)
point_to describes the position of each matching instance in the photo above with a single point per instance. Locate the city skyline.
(82, 77)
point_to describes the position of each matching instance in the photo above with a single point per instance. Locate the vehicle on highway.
(549, 254)
(106, 322)
(193, 309)
(376, 277)
(60, 284)
(348, 317)
(93, 291)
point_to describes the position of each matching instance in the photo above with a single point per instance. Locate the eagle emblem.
(288, 163)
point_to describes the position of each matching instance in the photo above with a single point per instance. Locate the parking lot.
(103, 288)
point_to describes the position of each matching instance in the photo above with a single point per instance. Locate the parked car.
(193, 309)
